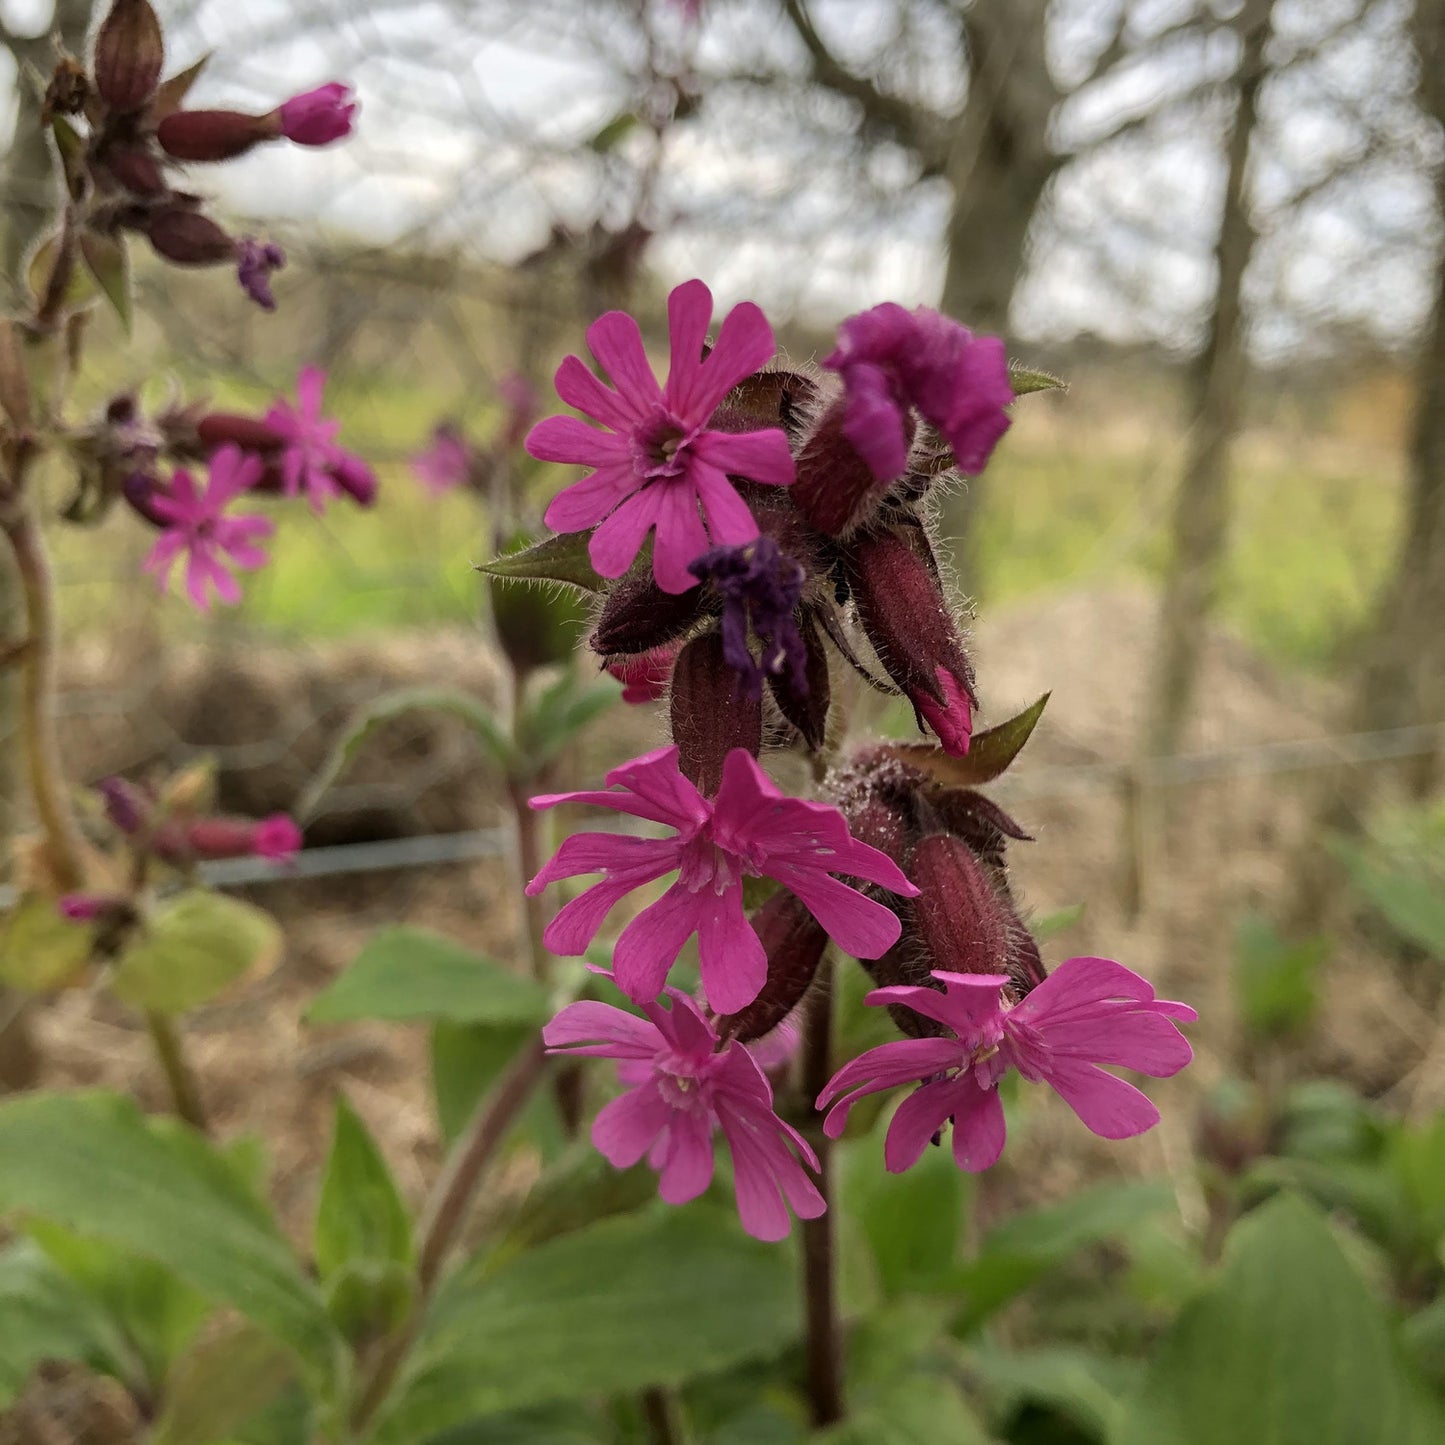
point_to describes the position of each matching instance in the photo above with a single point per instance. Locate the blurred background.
(1222, 549)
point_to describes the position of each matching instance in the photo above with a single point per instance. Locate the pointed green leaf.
(1024, 380)
(651, 1299)
(375, 715)
(94, 1163)
(109, 263)
(219, 1384)
(40, 949)
(988, 755)
(410, 974)
(171, 93)
(562, 558)
(191, 948)
(70, 145)
(1412, 903)
(361, 1216)
(1287, 1348)
(560, 713)
(1274, 980)
(1059, 921)
(616, 130)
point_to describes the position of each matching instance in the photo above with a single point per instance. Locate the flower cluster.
(744, 526)
(120, 169)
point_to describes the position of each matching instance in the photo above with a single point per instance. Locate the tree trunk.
(1201, 508)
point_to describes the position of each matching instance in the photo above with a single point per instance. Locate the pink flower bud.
(522, 408)
(712, 713)
(276, 838)
(644, 678)
(951, 719)
(84, 907)
(319, 117)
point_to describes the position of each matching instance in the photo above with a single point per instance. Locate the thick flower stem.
(663, 1414)
(185, 1095)
(446, 1211)
(820, 1274)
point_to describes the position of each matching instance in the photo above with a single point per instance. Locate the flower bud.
(276, 838)
(639, 616)
(902, 608)
(806, 706)
(960, 916)
(214, 135)
(135, 169)
(188, 238)
(249, 433)
(521, 400)
(794, 942)
(318, 117)
(129, 54)
(536, 624)
(712, 713)
(127, 807)
(644, 678)
(836, 489)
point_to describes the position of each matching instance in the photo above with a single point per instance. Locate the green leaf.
(913, 1220)
(562, 558)
(643, 1300)
(360, 1216)
(1287, 1348)
(988, 755)
(1274, 980)
(616, 130)
(45, 1316)
(39, 948)
(79, 287)
(408, 974)
(1417, 1159)
(191, 948)
(1025, 380)
(93, 1162)
(109, 263)
(1059, 921)
(171, 93)
(375, 715)
(1423, 1337)
(467, 1060)
(221, 1383)
(1083, 1387)
(1413, 904)
(1022, 1250)
(71, 146)
(370, 1299)
(559, 714)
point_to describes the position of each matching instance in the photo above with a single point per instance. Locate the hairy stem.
(446, 1211)
(185, 1095)
(820, 1273)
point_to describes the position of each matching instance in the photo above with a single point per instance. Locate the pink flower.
(891, 359)
(521, 401)
(644, 678)
(953, 719)
(682, 1089)
(277, 838)
(748, 829)
(446, 463)
(656, 462)
(1088, 1012)
(195, 524)
(311, 462)
(320, 116)
(84, 907)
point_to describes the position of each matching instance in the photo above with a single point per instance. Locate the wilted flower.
(1088, 1012)
(255, 261)
(759, 585)
(196, 526)
(891, 359)
(656, 462)
(749, 829)
(682, 1088)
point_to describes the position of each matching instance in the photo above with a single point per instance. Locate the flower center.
(706, 865)
(661, 446)
(680, 1086)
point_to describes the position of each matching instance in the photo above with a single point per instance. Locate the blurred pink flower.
(195, 525)
(255, 261)
(311, 462)
(748, 829)
(656, 463)
(84, 907)
(521, 401)
(1088, 1012)
(276, 838)
(681, 1090)
(319, 117)
(891, 359)
(644, 677)
(445, 463)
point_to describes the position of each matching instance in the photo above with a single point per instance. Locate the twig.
(185, 1095)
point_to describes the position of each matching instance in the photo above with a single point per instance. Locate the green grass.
(1060, 509)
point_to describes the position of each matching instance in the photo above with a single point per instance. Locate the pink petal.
(654, 788)
(617, 854)
(577, 922)
(978, 1129)
(681, 1024)
(1078, 986)
(858, 925)
(687, 1164)
(648, 947)
(578, 387)
(1108, 1106)
(624, 1129)
(744, 345)
(1147, 1042)
(162, 556)
(733, 959)
(617, 541)
(760, 456)
(765, 1174)
(602, 1031)
(729, 521)
(681, 537)
(904, 1061)
(567, 440)
(617, 344)
(916, 1120)
(689, 313)
(970, 1004)
(310, 385)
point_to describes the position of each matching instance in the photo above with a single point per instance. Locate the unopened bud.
(536, 624)
(783, 399)
(836, 489)
(639, 616)
(806, 707)
(712, 713)
(247, 432)
(902, 608)
(129, 54)
(356, 479)
(963, 921)
(276, 838)
(318, 117)
(126, 807)
(135, 169)
(794, 942)
(214, 135)
(189, 238)
(644, 678)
